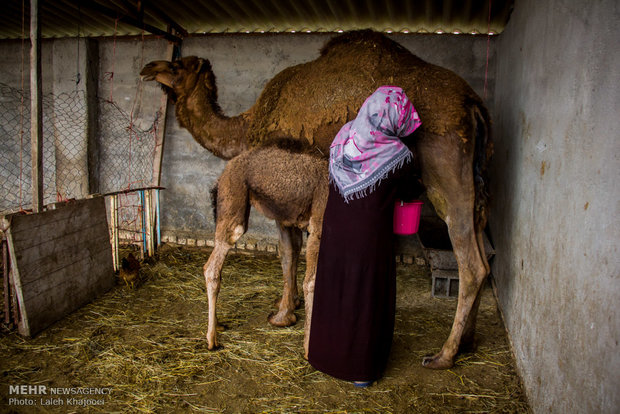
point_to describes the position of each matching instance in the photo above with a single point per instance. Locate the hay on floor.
(148, 346)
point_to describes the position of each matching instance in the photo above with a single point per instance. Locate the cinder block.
(170, 238)
(445, 284)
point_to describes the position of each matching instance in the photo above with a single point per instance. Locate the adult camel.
(311, 101)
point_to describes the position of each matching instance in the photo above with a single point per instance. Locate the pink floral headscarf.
(368, 148)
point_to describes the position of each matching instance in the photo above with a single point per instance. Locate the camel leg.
(467, 341)
(449, 180)
(290, 247)
(312, 256)
(472, 273)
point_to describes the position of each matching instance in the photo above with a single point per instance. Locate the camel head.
(182, 76)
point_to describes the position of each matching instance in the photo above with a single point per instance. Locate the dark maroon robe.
(355, 290)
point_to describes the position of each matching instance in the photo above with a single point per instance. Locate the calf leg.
(290, 247)
(312, 256)
(212, 272)
(232, 220)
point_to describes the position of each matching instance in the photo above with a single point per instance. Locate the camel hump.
(367, 37)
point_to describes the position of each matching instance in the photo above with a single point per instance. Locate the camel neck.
(224, 136)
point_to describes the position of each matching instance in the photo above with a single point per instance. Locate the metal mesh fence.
(122, 155)
(126, 159)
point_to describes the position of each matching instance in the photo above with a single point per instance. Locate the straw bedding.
(148, 345)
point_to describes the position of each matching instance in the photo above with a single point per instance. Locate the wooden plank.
(22, 326)
(37, 266)
(51, 238)
(51, 218)
(62, 259)
(36, 109)
(5, 283)
(161, 126)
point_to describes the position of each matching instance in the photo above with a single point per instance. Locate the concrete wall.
(555, 216)
(242, 64)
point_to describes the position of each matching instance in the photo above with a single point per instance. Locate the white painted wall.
(555, 218)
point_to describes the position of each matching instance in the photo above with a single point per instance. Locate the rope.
(110, 75)
(78, 76)
(486, 69)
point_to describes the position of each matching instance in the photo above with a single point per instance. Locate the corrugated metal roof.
(94, 18)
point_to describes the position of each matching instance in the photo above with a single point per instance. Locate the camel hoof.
(288, 319)
(436, 362)
(212, 344)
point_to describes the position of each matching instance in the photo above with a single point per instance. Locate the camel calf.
(286, 183)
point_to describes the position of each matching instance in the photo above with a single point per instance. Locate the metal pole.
(157, 217)
(149, 223)
(114, 224)
(143, 222)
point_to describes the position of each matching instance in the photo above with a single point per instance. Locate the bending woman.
(355, 290)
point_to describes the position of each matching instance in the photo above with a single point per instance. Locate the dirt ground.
(146, 349)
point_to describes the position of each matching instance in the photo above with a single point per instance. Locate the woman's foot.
(362, 384)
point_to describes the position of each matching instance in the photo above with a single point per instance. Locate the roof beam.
(157, 12)
(122, 16)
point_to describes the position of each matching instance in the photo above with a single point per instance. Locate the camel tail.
(213, 193)
(482, 156)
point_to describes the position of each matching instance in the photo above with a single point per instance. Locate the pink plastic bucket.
(407, 217)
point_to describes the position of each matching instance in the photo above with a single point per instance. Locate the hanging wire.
(110, 75)
(486, 69)
(78, 76)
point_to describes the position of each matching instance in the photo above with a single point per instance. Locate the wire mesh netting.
(15, 159)
(119, 157)
(126, 159)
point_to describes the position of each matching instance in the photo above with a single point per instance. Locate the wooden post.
(6, 285)
(36, 109)
(161, 127)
